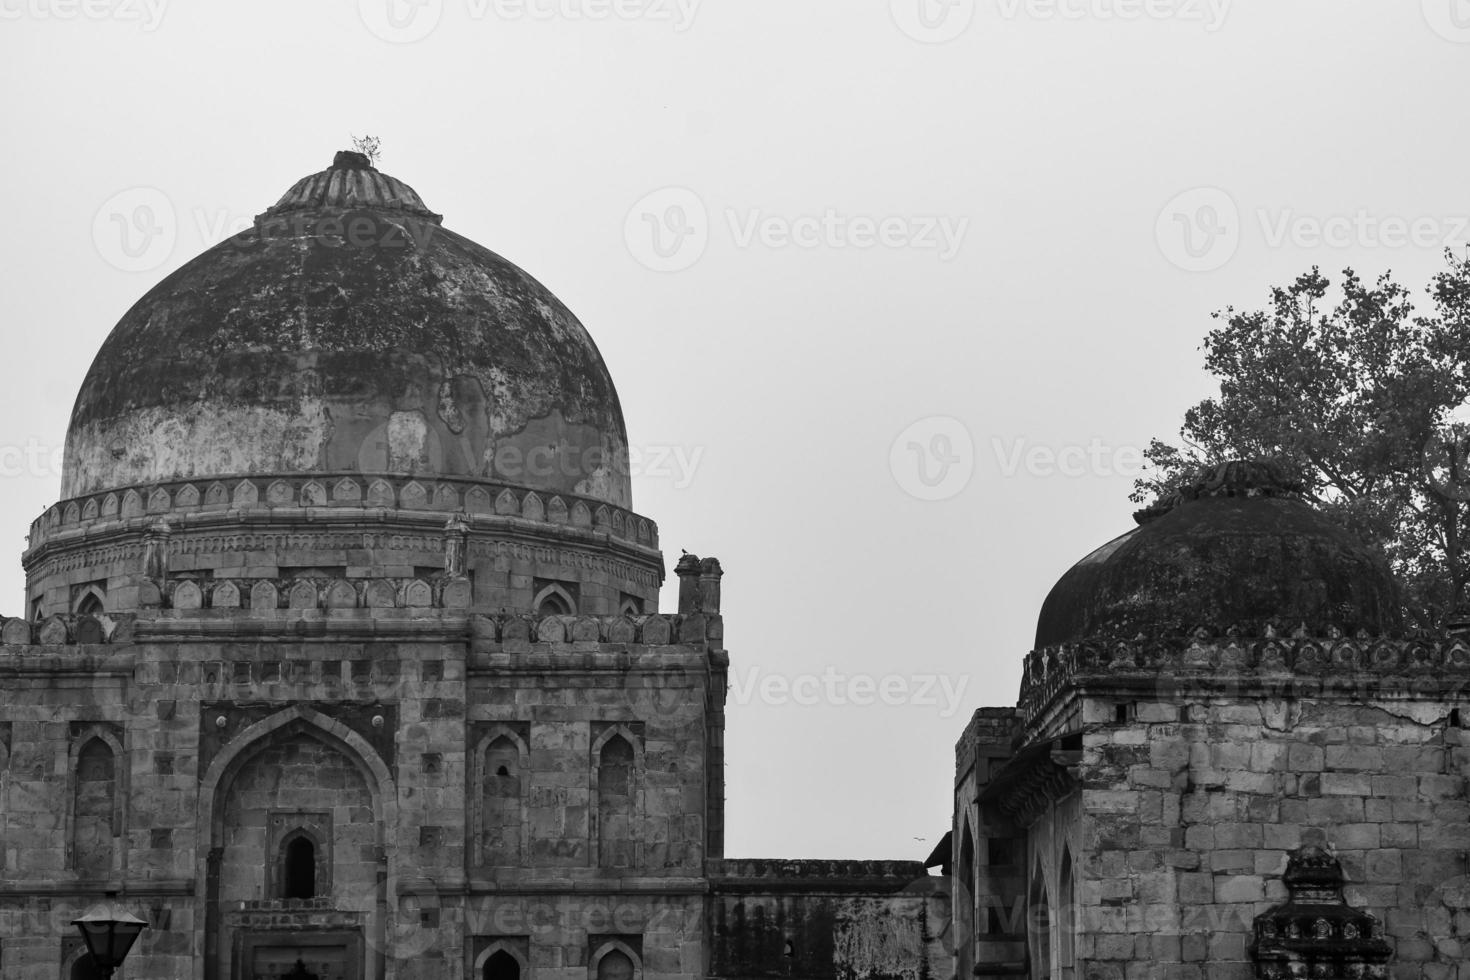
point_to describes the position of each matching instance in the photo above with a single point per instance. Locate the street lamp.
(109, 930)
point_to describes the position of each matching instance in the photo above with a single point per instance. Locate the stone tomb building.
(1229, 761)
(343, 660)
(343, 656)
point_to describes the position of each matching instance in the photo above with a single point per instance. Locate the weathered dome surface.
(1239, 547)
(348, 332)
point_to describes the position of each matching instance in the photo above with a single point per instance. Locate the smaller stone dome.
(1240, 545)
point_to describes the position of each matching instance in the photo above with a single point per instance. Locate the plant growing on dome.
(1364, 398)
(369, 146)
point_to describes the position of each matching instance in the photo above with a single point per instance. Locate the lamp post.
(109, 930)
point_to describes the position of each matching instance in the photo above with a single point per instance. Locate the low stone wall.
(843, 920)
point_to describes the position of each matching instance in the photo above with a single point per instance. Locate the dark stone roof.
(347, 331)
(1238, 546)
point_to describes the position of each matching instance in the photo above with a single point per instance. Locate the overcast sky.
(893, 293)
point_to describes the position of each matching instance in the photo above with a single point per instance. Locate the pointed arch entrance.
(249, 802)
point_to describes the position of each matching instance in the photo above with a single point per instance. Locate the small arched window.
(500, 831)
(502, 966)
(615, 965)
(553, 603)
(91, 605)
(298, 871)
(94, 813)
(615, 810)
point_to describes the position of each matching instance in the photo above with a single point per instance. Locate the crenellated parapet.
(1361, 664)
(506, 631)
(94, 513)
(771, 874)
(17, 634)
(345, 543)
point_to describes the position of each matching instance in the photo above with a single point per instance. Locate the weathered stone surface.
(312, 708)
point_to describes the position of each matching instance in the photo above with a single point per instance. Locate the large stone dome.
(349, 332)
(1238, 547)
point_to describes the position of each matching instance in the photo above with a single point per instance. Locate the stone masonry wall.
(830, 920)
(406, 699)
(1192, 809)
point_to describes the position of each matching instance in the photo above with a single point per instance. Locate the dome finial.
(351, 160)
(350, 183)
(1261, 477)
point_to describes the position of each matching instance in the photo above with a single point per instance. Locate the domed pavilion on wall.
(1229, 760)
(344, 658)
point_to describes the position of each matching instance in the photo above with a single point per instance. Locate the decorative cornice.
(315, 497)
(1361, 663)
